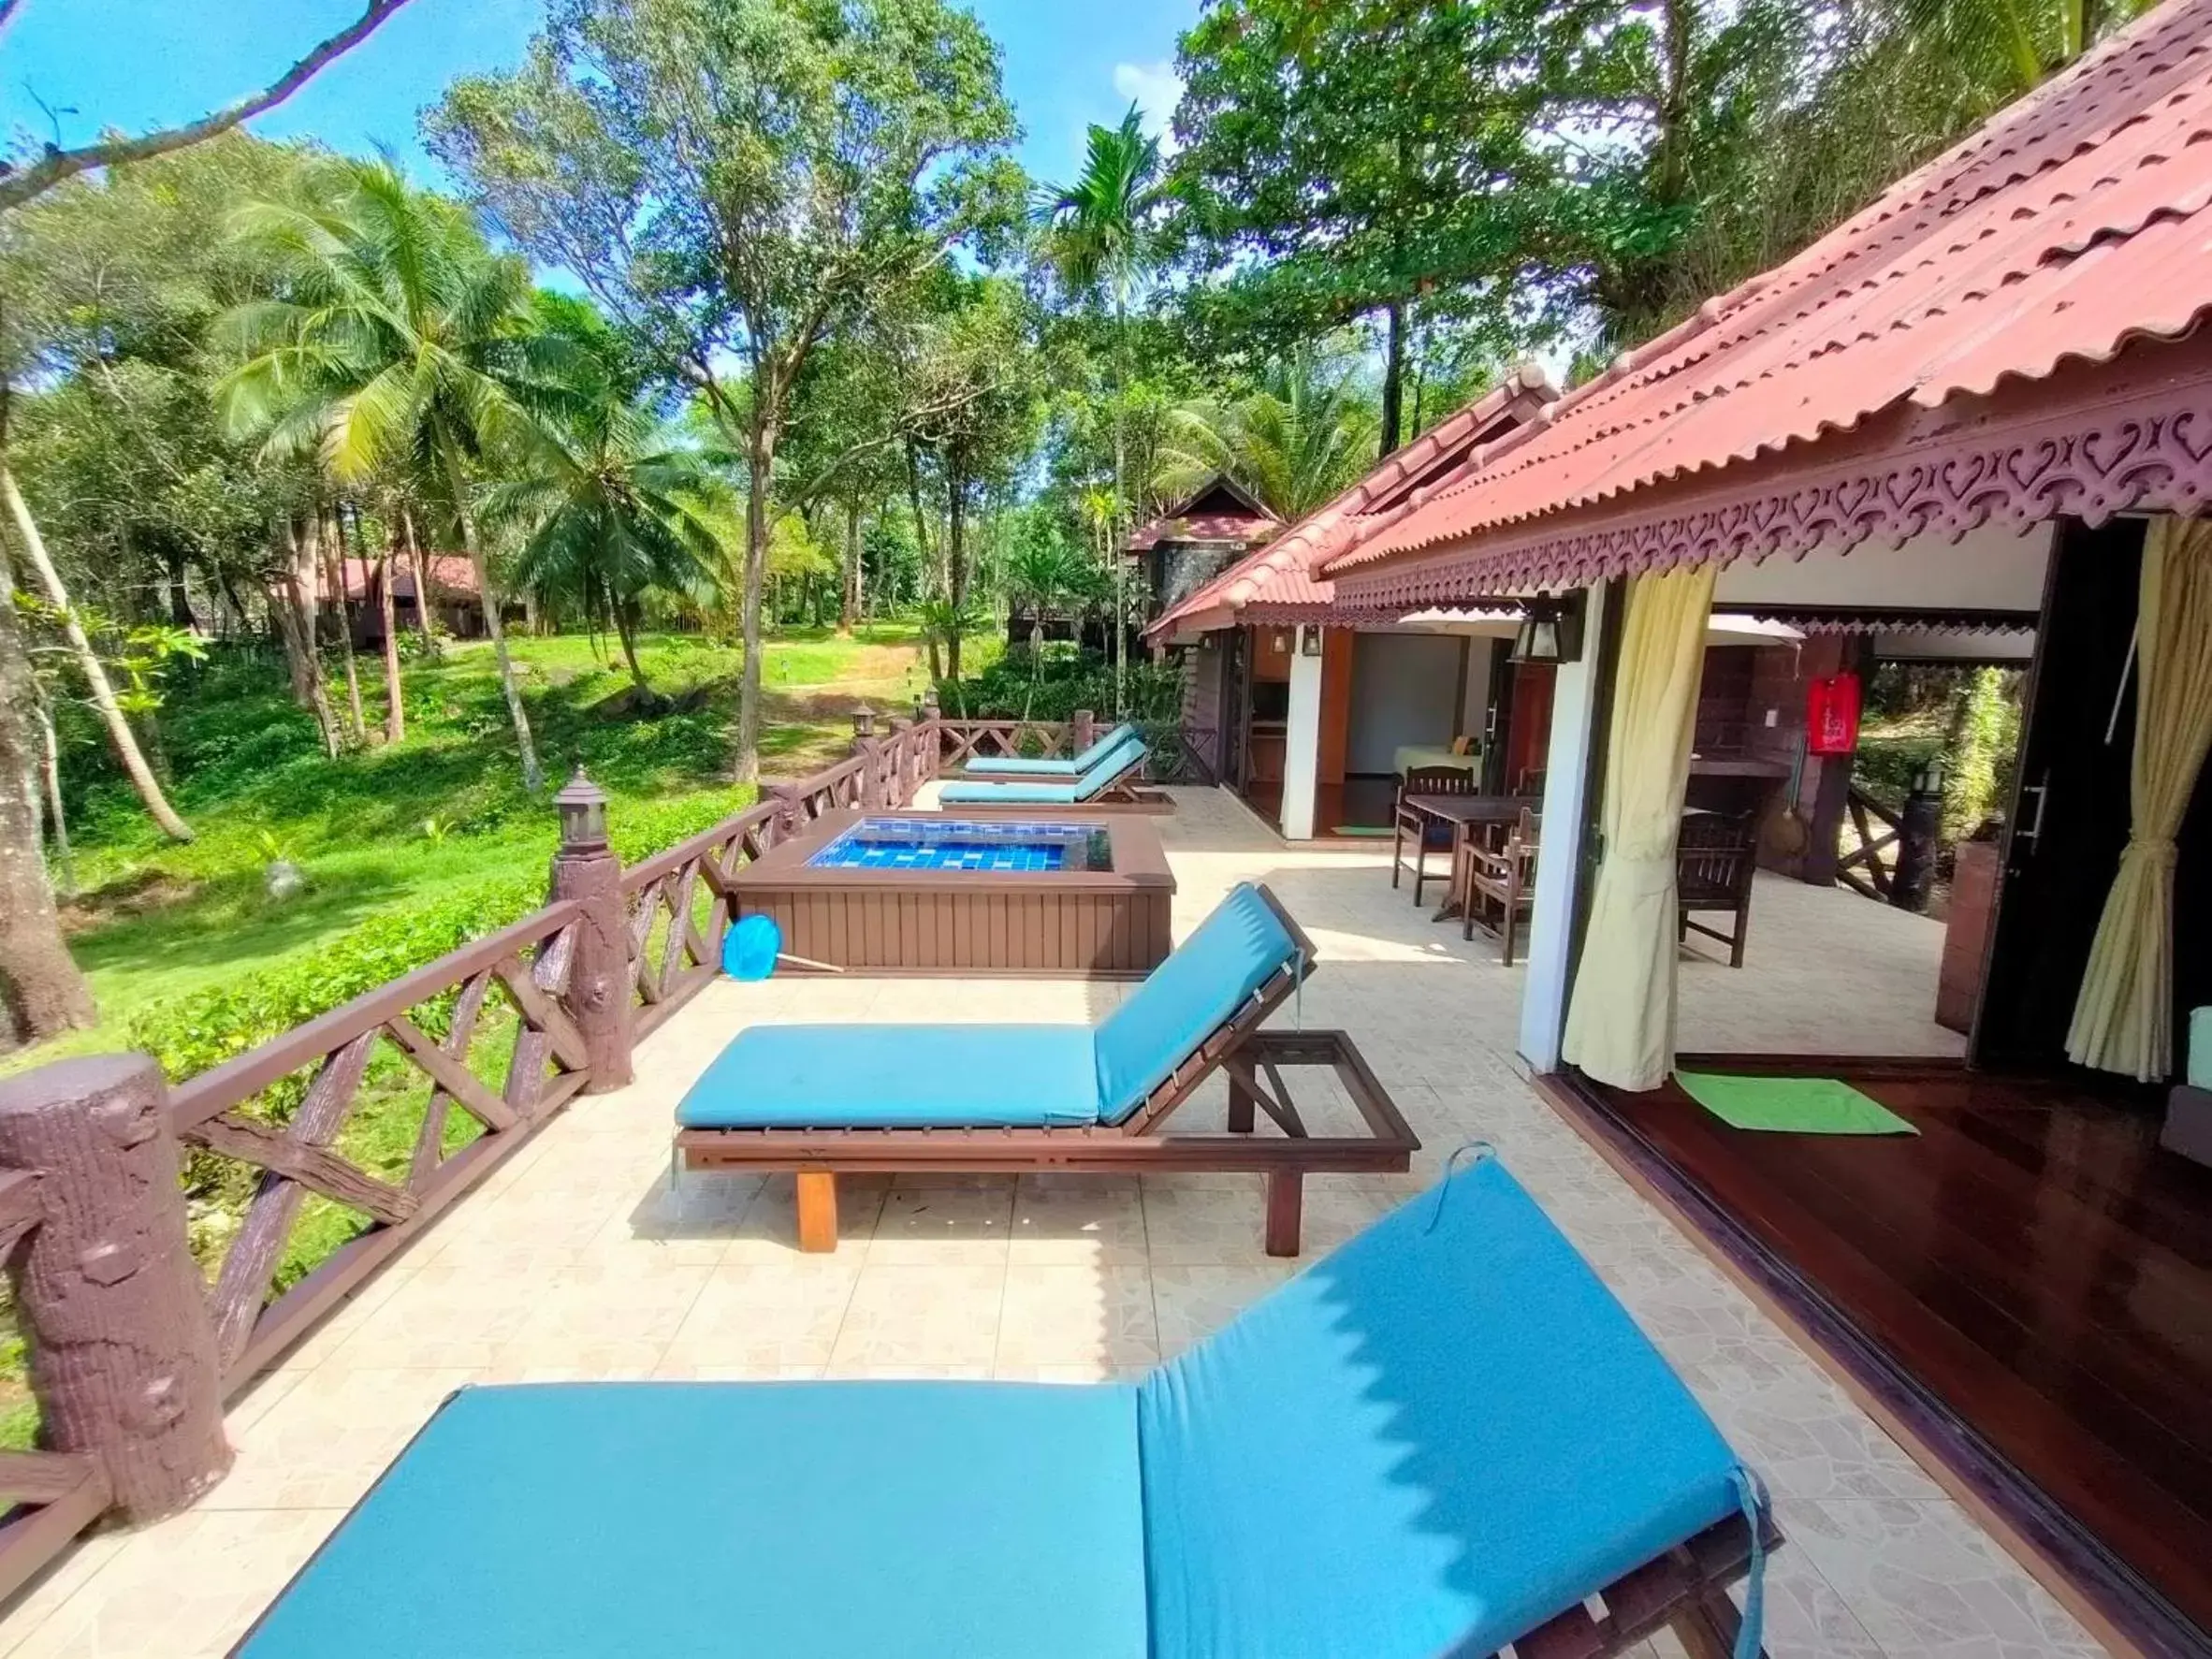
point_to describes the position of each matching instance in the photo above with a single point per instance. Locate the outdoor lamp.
(582, 805)
(1550, 629)
(1930, 778)
(1309, 642)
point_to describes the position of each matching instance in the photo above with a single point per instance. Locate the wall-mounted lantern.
(1309, 642)
(1550, 629)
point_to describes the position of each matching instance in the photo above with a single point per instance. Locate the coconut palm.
(1103, 235)
(1293, 443)
(610, 505)
(398, 339)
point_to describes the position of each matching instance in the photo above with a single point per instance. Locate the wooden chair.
(1425, 780)
(1715, 859)
(1502, 880)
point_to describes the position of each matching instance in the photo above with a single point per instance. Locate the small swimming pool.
(999, 848)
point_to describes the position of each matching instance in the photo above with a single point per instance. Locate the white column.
(1568, 790)
(1302, 740)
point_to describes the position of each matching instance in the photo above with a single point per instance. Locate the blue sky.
(133, 63)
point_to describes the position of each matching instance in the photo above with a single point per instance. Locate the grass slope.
(437, 816)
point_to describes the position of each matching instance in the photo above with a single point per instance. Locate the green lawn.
(435, 817)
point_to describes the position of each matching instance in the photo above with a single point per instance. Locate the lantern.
(1831, 715)
(1550, 629)
(582, 805)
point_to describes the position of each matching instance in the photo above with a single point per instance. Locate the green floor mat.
(1362, 829)
(1792, 1105)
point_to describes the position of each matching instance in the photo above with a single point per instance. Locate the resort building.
(1972, 420)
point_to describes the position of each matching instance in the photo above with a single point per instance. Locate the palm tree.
(1104, 235)
(399, 339)
(1293, 443)
(609, 505)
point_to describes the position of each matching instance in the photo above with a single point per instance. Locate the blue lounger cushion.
(1449, 1424)
(679, 1520)
(803, 1077)
(1235, 950)
(1433, 1440)
(798, 1077)
(1062, 770)
(1116, 761)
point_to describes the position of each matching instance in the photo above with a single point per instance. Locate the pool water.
(996, 848)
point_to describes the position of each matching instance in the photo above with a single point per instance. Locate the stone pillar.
(599, 973)
(123, 1349)
(1083, 731)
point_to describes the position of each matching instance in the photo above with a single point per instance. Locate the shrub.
(1019, 686)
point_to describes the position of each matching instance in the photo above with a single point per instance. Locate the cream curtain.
(1619, 1024)
(2123, 1019)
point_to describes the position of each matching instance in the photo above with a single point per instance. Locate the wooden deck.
(2038, 1272)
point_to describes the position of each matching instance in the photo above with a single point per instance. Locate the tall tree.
(737, 181)
(1293, 442)
(1104, 235)
(400, 338)
(1339, 162)
(608, 507)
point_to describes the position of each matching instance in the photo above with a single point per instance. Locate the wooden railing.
(1175, 754)
(1876, 883)
(134, 1351)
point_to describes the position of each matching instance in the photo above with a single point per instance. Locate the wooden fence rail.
(612, 954)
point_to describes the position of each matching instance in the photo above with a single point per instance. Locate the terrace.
(578, 1257)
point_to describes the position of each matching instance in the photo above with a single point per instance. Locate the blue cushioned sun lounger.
(1107, 781)
(1060, 770)
(818, 1099)
(1445, 1436)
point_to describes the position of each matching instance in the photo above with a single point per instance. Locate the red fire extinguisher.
(1831, 715)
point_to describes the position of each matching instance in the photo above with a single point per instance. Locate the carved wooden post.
(872, 791)
(123, 1350)
(790, 810)
(931, 760)
(1083, 731)
(600, 971)
(902, 749)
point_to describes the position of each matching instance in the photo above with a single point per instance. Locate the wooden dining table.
(1465, 814)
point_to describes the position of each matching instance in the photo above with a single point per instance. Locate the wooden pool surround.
(1059, 924)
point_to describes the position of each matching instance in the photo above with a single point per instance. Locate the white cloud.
(1155, 89)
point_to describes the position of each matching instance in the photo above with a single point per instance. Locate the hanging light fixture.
(1550, 629)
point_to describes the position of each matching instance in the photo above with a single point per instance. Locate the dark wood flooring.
(2032, 1259)
(1356, 804)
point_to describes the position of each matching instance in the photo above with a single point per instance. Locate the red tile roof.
(2073, 223)
(451, 576)
(1280, 577)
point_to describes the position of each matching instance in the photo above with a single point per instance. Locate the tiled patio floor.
(579, 1261)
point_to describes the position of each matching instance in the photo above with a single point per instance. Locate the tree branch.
(19, 185)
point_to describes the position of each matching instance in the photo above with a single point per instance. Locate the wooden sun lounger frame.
(1684, 1589)
(1125, 792)
(1253, 1060)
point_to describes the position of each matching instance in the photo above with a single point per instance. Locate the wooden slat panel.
(456, 1078)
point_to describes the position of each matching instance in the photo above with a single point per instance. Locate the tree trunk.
(395, 697)
(293, 611)
(41, 991)
(89, 664)
(422, 585)
(1393, 389)
(914, 499)
(849, 596)
(331, 536)
(955, 565)
(457, 483)
(57, 817)
(1113, 551)
(759, 460)
(626, 630)
(179, 600)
